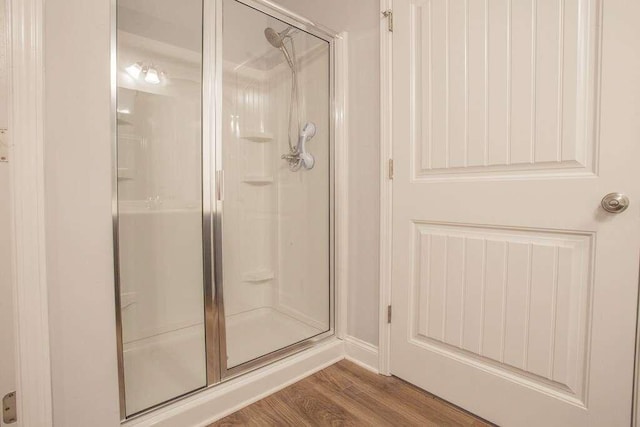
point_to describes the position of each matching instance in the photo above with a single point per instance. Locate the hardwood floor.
(345, 394)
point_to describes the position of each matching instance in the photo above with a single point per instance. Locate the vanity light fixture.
(134, 70)
(152, 76)
(149, 73)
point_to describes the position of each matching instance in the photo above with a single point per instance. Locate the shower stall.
(223, 214)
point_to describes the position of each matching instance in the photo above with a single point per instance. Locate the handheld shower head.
(273, 37)
(276, 39)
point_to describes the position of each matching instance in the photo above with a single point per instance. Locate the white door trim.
(26, 121)
(341, 182)
(386, 189)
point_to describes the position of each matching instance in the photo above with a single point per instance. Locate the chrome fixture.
(277, 40)
(615, 202)
(297, 157)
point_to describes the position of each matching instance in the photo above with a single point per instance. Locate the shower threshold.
(254, 333)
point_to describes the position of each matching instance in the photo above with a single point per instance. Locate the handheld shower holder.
(299, 157)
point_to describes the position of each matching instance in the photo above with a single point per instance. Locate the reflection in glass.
(159, 68)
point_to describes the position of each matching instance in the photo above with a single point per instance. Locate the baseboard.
(361, 353)
(224, 399)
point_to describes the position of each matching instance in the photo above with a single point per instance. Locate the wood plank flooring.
(345, 394)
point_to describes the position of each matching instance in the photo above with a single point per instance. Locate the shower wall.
(250, 194)
(302, 196)
(276, 221)
(272, 211)
(361, 19)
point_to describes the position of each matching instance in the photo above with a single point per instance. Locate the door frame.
(386, 212)
(386, 188)
(25, 25)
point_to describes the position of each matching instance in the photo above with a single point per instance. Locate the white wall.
(7, 379)
(77, 137)
(303, 196)
(361, 19)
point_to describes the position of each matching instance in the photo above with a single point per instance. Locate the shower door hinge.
(388, 314)
(9, 411)
(390, 172)
(389, 15)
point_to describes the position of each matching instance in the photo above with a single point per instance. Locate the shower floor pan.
(254, 333)
(170, 364)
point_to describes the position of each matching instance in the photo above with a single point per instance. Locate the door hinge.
(389, 15)
(390, 171)
(9, 412)
(388, 314)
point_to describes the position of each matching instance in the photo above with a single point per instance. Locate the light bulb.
(134, 70)
(152, 76)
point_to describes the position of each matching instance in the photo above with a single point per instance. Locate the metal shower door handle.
(615, 202)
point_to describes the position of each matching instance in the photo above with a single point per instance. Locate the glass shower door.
(159, 198)
(224, 165)
(275, 153)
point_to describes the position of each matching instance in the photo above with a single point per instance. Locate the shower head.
(273, 37)
(276, 38)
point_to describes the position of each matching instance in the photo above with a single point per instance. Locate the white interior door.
(514, 291)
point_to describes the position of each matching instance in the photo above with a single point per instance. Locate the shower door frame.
(217, 371)
(213, 37)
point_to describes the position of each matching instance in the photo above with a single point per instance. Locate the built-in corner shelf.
(127, 299)
(257, 136)
(124, 119)
(125, 174)
(258, 180)
(258, 276)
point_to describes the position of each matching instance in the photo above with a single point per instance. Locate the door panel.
(516, 291)
(478, 289)
(498, 92)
